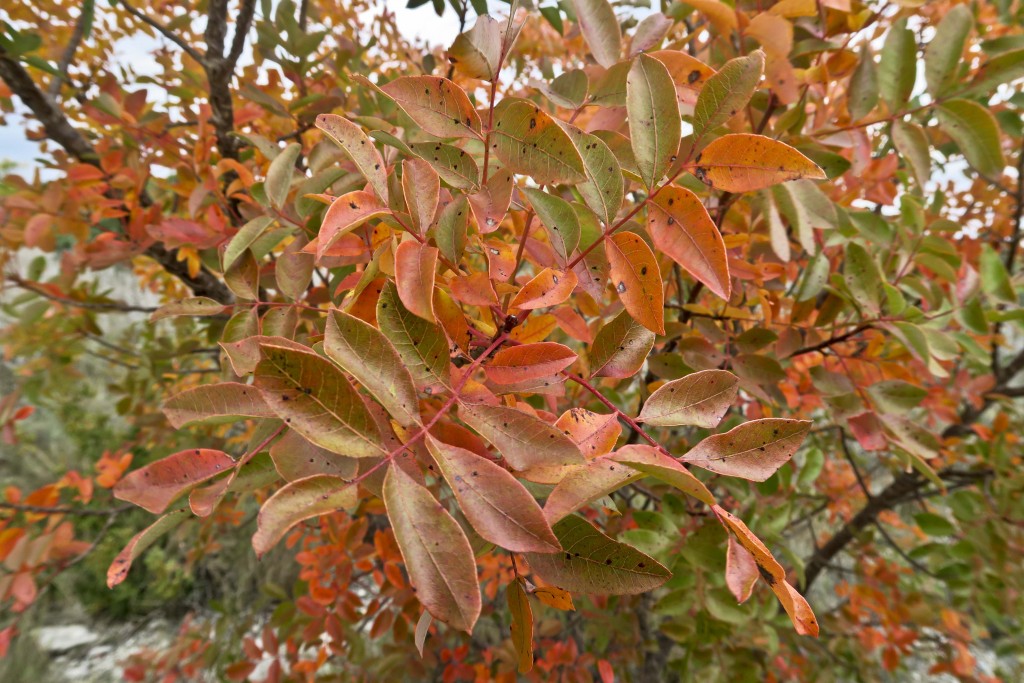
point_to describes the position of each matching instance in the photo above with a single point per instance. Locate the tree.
(540, 355)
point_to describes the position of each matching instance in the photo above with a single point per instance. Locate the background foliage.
(803, 216)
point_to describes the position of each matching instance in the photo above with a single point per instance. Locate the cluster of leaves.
(486, 335)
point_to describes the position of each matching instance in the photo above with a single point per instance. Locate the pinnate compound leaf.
(119, 568)
(528, 141)
(525, 441)
(415, 271)
(681, 227)
(774, 575)
(422, 345)
(701, 399)
(559, 220)
(528, 361)
(500, 509)
(299, 500)
(975, 131)
(653, 462)
(522, 625)
(594, 563)
(156, 485)
(742, 162)
(359, 148)
(549, 287)
(727, 92)
(637, 279)
(315, 399)
(586, 483)
(620, 348)
(436, 552)
(754, 450)
(654, 124)
(600, 28)
(436, 104)
(215, 404)
(943, 54)
(365, 353)
(345, 214)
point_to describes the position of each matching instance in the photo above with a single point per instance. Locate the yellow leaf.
(744, 162)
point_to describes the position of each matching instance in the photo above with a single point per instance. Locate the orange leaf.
(682, 228)
(474, 289)
(529, 361)
(154, 486)
(745, 162)
(345, 214)
(637, 279)
(548, 288)
(415, 267)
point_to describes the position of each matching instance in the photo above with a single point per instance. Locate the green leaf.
(934, 525)
(912, 143)
(863, 95)
(366, 354)
(279, 175)
(897, 67)
(559, 219)
(603, 189)
(296, 458)
(523, 440)
(318, 495)
(860, 273)
(244, 238)
(995, 279)
(943, 54)
(500, 509)
(451, 163)
(701, 400)
(315, 399)
(450, 231)
(727, 92)
(422, 345)
(654, 123)
(896, 396)
(620, 348)
(975, 131)
(568, 90)
(594, 563)
(359, 148)
(600, 28)
(528, 141)
(199, 306)
(436, 552)
(215, 404)
(754, 450)
(1001, 69)
(477, 52)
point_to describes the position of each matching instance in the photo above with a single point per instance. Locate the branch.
(77, 36)
(164, 31)
(111, 306)
(60, 130)
(220, 69)
(831, 341)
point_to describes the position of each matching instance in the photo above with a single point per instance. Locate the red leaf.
(156, 485)
(529, 361)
